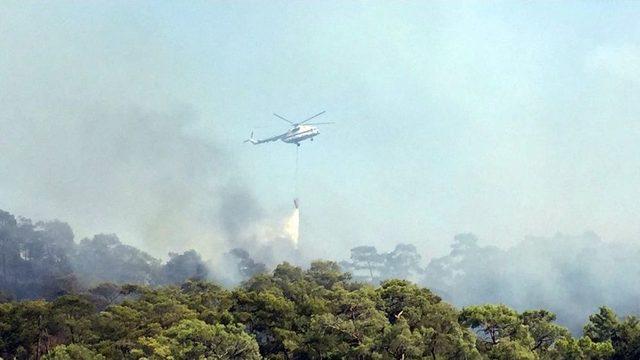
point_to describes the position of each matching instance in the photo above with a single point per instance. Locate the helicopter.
(299, 132)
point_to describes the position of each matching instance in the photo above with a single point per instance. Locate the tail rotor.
(251, 139)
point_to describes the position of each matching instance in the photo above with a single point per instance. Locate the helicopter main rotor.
(294, 124)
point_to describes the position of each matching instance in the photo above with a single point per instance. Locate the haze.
(491, 118)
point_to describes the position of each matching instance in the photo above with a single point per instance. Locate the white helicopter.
(299, 132)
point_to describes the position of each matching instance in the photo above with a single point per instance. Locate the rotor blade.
(322, 123)
(318, 114)
(290, 122)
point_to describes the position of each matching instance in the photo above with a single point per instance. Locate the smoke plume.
(570, 275)
(99, 135)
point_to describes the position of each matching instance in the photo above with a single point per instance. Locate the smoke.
(267, 239)
(96, 130)
(139, 173)
(570, 275)
(130, 170)
(262, 242)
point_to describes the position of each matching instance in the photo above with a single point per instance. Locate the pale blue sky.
(504, 119)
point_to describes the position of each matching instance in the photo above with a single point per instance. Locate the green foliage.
(71, 315)
(581, 349)
(494, 323)
(542, 329)
(624, 336)
(399, 342)
(195, 339)
(602, 326)
(72, 352)
(296, 314)
(105, 294)
(327, 274)
(627, 339)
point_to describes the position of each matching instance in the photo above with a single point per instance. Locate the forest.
(101, 299)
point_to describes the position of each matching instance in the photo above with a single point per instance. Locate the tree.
(541, 327)
(368, 265)
(72, 316)
(351, 328)
(9, 249)
(624, 336)
(428, 317)
(34, 258)
(366, 258)
(402, 263)
(26, 329)
(584, 348)
(500, 330)
(195, 339)
(401, 298)
(72, 352)
(106, 294)
(267, 314)
(399, 342)
(104, 258)
(627, 340)
(327, 274)
(602, 326)
(246, 265)
(59, 234)
(181, 267)
(211, 302)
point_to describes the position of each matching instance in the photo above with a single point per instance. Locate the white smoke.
(271, 231)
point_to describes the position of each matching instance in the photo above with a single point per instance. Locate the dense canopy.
(292, 313)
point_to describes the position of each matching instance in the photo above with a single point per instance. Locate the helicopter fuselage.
(300, 133)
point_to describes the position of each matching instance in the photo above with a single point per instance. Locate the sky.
(504, 119)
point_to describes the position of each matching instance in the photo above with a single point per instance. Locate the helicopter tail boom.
(251, 139)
